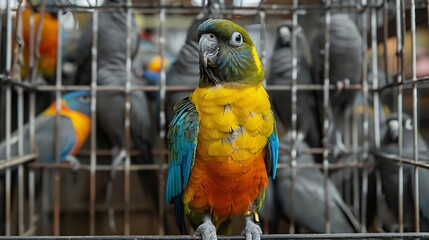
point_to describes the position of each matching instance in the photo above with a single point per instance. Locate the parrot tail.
(349, 215)
(179, 214)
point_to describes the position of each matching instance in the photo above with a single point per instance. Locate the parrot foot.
(206, 230)
(252, 231)
(118, 158)
(75, 164)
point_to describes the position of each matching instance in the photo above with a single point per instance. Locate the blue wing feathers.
(187, 168)
(273, 152)
(179, 214)
(182, 139)
(67, 149)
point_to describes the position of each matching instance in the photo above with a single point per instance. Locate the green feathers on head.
(223, 29)
(227, 55)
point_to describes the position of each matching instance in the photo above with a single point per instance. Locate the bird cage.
(346, 80)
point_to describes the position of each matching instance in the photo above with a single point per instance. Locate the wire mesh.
(29, 209)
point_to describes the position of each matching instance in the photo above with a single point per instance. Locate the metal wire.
(93, 160)
(264, 236)
(326, 110)
(400, 70)
(415, 116)
(127, 122)
(8, 120)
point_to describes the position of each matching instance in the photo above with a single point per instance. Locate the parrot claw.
(118, 158)
(252, 231)
(206, 230)
(75, 164)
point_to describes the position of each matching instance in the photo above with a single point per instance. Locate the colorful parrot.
(152, 74)
(75, 124)
(74, 129)
(152, 71)
(222, 141)
(48, 41)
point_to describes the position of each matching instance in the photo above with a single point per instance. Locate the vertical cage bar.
(326, 122)
(93, 144)
(162, 117)
(400, 72)
(376, 107)
(365, 90)
(8, 116)
(415, 116)
(32, 114)
(127, 123)
(294, 99)
(32, 200)
(35, 55)
(385, 38)
(375, 84)
(20, 109)
(57, 177)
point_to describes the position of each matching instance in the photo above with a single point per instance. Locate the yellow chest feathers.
(234, 122)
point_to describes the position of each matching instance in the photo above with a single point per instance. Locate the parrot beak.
(209, 49)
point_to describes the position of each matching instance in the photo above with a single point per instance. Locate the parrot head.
(284, 35)
(227, 55)
(79, 101)
(392, 125)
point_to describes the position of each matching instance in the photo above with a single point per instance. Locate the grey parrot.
(111, 71)
(309, 195)
(345, 67)
(185, 70)
(389, 171)
(281, 74)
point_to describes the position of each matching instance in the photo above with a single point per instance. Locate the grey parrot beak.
(209, 49)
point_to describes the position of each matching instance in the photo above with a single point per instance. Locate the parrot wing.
(423, 192)
(423, 180)
(182, 137)
(45, 137)
(272, 149)
(182, 140)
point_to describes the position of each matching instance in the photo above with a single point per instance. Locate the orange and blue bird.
(222, 140)
(48, 41)
(75, 125)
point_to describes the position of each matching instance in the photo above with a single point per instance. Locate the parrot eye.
(236, 39)
(84, 99)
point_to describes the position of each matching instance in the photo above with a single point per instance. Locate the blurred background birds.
(345, 68)
(112, 71)
(308, 119)
(389, 170)
(74, 128)
(308, 199)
